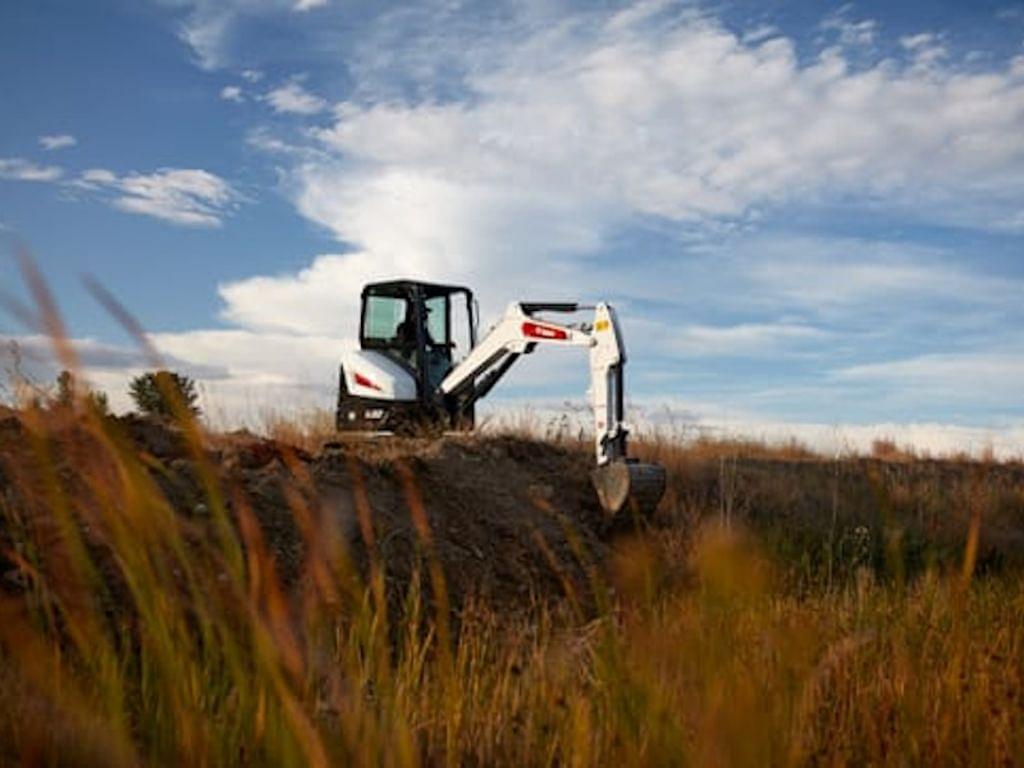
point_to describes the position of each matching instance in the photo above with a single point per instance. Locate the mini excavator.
(420, 364)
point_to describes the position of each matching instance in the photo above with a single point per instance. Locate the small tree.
(154, 393)
(98, 402)
(68, 388)
(65, 397)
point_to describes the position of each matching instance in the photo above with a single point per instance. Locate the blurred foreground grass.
(131, 636)
(752, 629)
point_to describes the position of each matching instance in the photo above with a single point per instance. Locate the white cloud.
(242, 375)
(261, 371)
(850, 33)
(209, 27)
(926, 48)
(964, 385)
(973, 376)
(186, 196)
(743, 339)
(252, 75)
(98, 176)
(446, 230)
(758, 34)
(106, 366)
(292, 98)
(1005, 440)
(206, 30)
(690, 124)
(308, 5)
(58, 141)
(827, 274)
(17, 169)
(232, 93)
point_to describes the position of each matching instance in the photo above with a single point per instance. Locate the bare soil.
(514, 521)
(509, 520)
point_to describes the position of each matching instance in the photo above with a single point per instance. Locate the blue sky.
(810, 215)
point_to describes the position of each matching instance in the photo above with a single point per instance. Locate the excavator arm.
(620, 481)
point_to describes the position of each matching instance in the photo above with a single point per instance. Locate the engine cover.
(374, 375)
(376, 394)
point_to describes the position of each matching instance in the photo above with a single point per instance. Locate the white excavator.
(419, 364)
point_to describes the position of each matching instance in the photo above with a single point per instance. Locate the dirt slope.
(508, 519)
(514, 520)
(500, 512)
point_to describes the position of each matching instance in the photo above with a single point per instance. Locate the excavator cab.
(411, 336)
(424, 327)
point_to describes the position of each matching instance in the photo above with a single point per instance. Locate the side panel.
(375, 394)
(372, 374)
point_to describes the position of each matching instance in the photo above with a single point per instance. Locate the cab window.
(437, 320)
(384, 316)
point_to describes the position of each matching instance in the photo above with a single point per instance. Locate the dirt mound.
(509, 520)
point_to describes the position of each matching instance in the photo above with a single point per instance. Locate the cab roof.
(404, 287)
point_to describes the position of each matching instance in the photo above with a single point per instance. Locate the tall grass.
(141, 635)
(133, 631)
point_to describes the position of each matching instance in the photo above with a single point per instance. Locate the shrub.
(155, 393)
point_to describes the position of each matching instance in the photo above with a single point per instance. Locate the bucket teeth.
(629, 487)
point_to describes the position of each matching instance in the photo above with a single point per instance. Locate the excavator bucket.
(628, 486)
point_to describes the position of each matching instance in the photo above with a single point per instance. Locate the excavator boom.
(621, 483)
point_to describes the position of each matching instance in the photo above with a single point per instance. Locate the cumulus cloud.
(18, 169)
(514, 158)
(186, 196)
(232, 93)
(568, 135)
(690, 123)
(292, 98)
(57, 141)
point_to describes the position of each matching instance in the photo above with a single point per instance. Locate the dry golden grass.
(131, 633)
(141, 636)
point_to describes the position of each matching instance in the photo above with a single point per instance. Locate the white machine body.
(372, 374)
